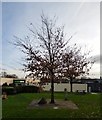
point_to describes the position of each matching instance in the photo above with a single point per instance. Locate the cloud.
(50, 0)
(17, 15)
(98, 59)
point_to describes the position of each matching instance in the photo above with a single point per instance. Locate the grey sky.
(51, 1)
(78, 17)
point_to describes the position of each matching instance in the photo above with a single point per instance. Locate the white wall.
(79, 87)
(61, 86)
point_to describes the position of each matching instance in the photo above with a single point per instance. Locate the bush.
(20, 89)
(27, 89)
(80, 92)
(8, 90)
(11, 85)
(5, 84)
(30, 89)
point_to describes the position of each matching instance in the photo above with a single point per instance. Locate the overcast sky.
(82, 18)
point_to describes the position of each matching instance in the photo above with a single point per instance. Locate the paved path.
(58, 104)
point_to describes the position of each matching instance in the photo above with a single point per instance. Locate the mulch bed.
(57, 105)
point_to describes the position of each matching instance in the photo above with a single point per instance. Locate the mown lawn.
(16, 106)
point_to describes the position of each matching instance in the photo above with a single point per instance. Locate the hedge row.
(8, 90)
(20, 89)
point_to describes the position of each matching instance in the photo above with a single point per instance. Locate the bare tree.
(76, 64)
(46, 60)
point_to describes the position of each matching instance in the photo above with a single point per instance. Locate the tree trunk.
(52, 91)
(52, 88)
(71, 87)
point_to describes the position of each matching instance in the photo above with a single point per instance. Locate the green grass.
(16, 106)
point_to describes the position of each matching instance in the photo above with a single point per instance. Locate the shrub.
(8, 90)
(11, 85)
(27, 89)
(80, 92)
(5, 84)
(20, 89)
(30, 89)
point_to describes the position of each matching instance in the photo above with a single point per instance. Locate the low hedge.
(9, 90)
(30, 89)
(27, 89)
(20, 89)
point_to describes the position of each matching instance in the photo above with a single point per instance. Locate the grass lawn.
(16, 106)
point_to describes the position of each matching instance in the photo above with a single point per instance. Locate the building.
(17, 82)
(59, 87)
(88, 85)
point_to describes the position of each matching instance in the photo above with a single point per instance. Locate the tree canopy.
(52, 58)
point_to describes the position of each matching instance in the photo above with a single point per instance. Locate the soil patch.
(57, 105)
